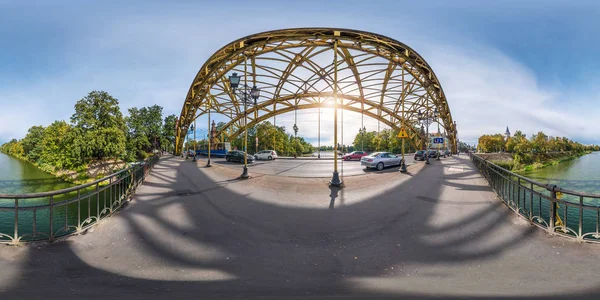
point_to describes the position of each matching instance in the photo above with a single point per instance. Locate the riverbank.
(84, 174)
(516, 163)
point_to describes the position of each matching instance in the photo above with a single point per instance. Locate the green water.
(20, 177)
(70, 210)
(579, 174)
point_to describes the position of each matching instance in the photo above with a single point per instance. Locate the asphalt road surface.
(192, 232)
(305, 167)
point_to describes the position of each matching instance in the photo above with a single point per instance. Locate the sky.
(529, 65)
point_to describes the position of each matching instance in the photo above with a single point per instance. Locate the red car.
(354, 155)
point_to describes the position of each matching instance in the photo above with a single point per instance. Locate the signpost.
(403, 135)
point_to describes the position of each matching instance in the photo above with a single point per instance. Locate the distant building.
(507, 133)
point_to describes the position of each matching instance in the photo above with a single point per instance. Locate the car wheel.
(380, 166)
(228, 158)
(270, 158)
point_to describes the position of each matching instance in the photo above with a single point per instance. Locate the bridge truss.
(306, 68)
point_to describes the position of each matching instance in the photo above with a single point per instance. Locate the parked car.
(432, 153)
(354, 155)
(380, 160)
(420, 155)
(266, 154)
(237, 155)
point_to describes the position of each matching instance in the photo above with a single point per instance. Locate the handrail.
(69, 211)
(63, 191)
(569, 215)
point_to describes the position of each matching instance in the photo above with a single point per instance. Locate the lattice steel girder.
(291, 66)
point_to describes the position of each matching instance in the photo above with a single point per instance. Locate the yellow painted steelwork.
(294, 68)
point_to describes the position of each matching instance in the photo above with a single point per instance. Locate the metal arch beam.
(232, 54)
(415, 137)
(369, 105)
(350, 62)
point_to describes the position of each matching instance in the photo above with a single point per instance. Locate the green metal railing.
(51, 215)
(559, 211)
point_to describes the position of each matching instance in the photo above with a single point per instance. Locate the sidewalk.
(436, 231)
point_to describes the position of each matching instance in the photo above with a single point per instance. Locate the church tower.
(507, 133)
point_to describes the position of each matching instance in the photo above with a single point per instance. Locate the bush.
(504, 164)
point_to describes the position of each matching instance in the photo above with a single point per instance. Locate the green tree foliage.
(385, 140)
(32, 143)
(58, 148)
(101, 125)
(492, 143)
(529, 150)
(97, 131)
(168, 133)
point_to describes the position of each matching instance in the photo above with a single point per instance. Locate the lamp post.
(195, 142)
(246, 93)
(427, 118)
(362, 132)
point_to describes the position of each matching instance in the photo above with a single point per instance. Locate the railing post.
(97, 202)
(552, 222)
(580, 236)
(51, 225)
(16, 236)
(78, 212)
(518, 194)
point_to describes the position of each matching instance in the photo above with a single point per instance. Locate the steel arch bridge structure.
(306, 68)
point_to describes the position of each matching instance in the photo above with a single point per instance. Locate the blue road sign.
(438, 140)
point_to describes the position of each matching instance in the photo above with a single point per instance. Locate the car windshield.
(375, 154)
(420, 152)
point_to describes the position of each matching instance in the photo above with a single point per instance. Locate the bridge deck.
(198, 232)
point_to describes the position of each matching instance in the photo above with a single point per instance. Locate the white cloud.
(488, 91)
(146, 60)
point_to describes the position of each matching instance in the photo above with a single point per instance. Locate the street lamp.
(246, 93)
(426, 118)
(193, 128)
(362, 131)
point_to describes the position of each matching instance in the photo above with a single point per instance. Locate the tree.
(57, 146)
(491, 143)
(145, 130)
(32, 143)
(101, 124)
(168, 132)
(540, 142)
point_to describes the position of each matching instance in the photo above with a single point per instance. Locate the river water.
(579, 174)
(20, 177)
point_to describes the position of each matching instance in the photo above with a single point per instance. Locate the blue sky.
(530, 66)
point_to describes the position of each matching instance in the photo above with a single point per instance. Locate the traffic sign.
(402, 133)
(438, 140)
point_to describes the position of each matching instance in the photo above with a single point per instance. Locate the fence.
(50, 215)
(559, 211)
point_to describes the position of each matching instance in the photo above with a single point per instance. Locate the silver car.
(380, 160)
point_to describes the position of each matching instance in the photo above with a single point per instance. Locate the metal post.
(362, 124)
(335, 180)
(195, 142)
(255, 123)
(427, 139)
(402, 163)
(51, 226)
(551, 224)
(579, 236)
(319, 130)
(16, 236)
(245, 174)
(208, 165)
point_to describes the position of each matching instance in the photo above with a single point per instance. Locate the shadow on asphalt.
(277, 250)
